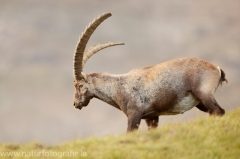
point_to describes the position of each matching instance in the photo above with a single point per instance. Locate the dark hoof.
(218, 112)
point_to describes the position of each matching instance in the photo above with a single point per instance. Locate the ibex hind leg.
(201, 107)
(203, 90)
(208, 103)
(152, 123)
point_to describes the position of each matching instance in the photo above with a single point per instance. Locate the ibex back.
(169, 88)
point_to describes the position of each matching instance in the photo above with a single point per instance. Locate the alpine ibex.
(169, 88)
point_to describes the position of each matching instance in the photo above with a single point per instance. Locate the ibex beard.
(168, 88)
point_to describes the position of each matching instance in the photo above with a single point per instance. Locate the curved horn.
(94, 49)
(78, 56)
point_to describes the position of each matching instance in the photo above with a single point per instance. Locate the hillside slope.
(208, 137)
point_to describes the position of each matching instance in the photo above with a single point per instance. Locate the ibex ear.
(85, 77)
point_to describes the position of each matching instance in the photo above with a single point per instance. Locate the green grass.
(202, 138)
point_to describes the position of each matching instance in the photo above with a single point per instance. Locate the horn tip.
(108, 13)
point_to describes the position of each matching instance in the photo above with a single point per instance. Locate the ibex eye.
(80, 86)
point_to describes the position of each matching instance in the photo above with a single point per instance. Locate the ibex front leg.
(134, 118)
(152, 123)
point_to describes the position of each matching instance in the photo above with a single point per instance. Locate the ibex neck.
(105, 87)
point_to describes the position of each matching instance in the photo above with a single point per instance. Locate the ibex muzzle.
(169, 88)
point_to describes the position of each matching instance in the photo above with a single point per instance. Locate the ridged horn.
(78, 56)
(94, 49)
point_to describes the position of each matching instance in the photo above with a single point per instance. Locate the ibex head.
(83, 87)
(83, 93)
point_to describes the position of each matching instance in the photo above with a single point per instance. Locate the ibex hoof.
(218, 112)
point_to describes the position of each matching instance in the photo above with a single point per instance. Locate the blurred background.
(38, 39)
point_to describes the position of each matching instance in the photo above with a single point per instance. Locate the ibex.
(169, 88)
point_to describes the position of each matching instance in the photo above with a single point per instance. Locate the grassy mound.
(203, 138)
